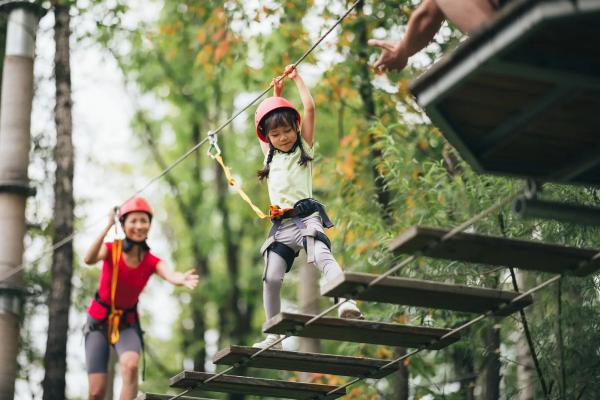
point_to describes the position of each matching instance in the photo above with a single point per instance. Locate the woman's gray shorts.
(97, 347)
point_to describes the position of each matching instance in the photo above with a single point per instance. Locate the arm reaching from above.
(308, 119)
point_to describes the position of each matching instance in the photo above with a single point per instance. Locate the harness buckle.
(277, 212)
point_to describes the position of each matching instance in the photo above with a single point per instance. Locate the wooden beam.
(510, 128)
(253, 386)
(494, 250)
(539, 74)
(352, 330)
(420, 293)
(305, 362)
(452, 134)
(584, 163)
(156, 396)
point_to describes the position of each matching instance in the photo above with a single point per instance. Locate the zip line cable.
(185, 155)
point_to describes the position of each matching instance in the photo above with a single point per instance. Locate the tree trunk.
(55, 363)
(490, 388)
(465, 371)
(366, 94)
(308, 299)
(401, 387)
(233, 318)
(383, 195)
(525, 368)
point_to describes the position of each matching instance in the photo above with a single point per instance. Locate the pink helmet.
(271, 104)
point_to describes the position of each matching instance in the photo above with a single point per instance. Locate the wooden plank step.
(254, 386)
(353, 330)
(156, 396)
(421, 293)
(495, 250)
(305, 362)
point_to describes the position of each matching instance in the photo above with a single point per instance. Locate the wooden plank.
(253, 386)
(420, 293)
(305, 362)
(352, 330)
(494, 250)
(156, 396)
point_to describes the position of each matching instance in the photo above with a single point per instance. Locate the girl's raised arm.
(308, 120)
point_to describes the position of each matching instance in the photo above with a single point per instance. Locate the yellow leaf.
(423, 144)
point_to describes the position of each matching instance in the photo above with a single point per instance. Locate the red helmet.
(271, 104)
(135, 204)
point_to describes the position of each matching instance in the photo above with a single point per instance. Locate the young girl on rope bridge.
(112, 314)
(297, 218)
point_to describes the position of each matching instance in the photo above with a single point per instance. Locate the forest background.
(151, 78)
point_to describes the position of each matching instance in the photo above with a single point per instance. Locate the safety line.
(185, 155)
(297, 329)
(450, 333)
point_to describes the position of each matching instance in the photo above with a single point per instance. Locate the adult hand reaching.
(393, 55)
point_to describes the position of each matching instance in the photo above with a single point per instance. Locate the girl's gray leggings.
(275, 266)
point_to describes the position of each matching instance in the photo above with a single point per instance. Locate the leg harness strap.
(302, 209)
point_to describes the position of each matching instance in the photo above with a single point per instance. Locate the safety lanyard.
(114, 318)
(230, 179)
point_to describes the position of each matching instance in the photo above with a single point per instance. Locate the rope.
(298, 329)
(188, 153)
(306, 53)
(447, 335)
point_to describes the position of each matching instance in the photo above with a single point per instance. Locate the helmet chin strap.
(128, 244)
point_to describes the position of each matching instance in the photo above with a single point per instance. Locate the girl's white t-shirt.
(289, 181)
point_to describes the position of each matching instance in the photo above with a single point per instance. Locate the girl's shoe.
(349, 310)
(271, 338)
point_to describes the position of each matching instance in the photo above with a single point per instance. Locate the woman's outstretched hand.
(189, 279)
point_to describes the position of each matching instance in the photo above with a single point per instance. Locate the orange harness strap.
(114, 318)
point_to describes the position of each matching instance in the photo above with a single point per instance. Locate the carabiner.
(212, 139)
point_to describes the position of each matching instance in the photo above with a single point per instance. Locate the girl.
(136, 265)
(298, 219)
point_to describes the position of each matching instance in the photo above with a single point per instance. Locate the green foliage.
(200, 61)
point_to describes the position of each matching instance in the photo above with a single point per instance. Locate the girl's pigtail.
(304, 157)
(264, 172)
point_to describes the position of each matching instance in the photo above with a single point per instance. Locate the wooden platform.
(305, 362)
(252, 386)
(352, 330)
(494, 250)
(155, 396)
(420, 293)
(521, 96)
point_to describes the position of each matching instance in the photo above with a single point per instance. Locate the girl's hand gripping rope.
(277, 84)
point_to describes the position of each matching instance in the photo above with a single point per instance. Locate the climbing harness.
(302, 209)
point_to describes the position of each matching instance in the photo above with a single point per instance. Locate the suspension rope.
(188, 153)
(297, 329)
(230, 179)
(447, 335)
